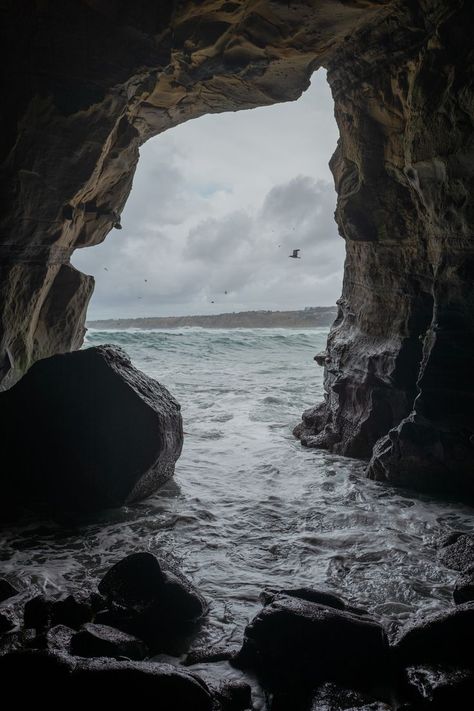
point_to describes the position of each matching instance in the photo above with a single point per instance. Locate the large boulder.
(7, 590)
(87, 430)
(439, 688)
(330, 697)
(108, 679)
(457, 552)
(102, 641)
(297, 643)
(464, 587)
(158, 604)
(443, 638)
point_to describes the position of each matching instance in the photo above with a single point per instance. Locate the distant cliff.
(307, 318)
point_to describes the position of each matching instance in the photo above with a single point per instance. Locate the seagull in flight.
(295, 254)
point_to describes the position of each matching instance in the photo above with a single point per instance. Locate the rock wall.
(88, 81)
(398, 357)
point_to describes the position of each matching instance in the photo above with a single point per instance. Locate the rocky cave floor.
(306, 650)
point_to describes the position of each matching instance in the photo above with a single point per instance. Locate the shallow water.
(250, 507)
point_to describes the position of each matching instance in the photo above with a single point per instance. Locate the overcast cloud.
(217, 206)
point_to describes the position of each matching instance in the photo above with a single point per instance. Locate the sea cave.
(360, 519)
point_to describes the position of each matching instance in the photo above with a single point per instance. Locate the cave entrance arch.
(217, 206)
(90, 81)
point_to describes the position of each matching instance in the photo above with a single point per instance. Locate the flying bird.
(295, 254)
(106, 269)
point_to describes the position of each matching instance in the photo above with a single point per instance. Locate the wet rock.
(440, 688)
(17, 641)
(77, 609)
(458, 552)
(296, 643)
(321, 597)
(117, 444)
(156, 604)
(423, 457)
(208, 655)
(7, 590)
(330, 697)
(235, 696)
(464, 587)
(443, 638)
(305, 593)
(170, 688)
(58, 639)
(37, 612)
(95, 640)
(133, 582)
(8, 620)
(42, 670)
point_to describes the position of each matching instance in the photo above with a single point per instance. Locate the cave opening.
(344, 565)
(217, 206)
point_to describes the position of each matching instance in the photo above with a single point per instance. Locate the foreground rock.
(330, 697)
(158, 605)
(438, 688)
(444, 638)
(457, 552)
(296, 643)
(464, 588)
(100, 433)
(426, 458)
(171, 688)
(7, 590)
(102, 641)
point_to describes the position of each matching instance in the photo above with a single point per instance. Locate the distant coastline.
(310, 317)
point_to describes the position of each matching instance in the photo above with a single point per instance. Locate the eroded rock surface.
(400, 351)
(88, 82)
(98, 432)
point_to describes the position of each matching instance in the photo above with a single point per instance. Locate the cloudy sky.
(217, 206)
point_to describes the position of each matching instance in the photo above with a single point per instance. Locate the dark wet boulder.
(155, 603)
(76, 609)
(294, 642)
(442, 638)
(17, 641)
(321, 597)
(7, 590)
(331, 697)
(8, 620)
(170, 688)
(464, 587)
(209, 654)
(439, 688)
(133, 582)
(235, 696)
(100, 432)
(37, 612)
(310, 594)
(58, 639)
(458, 552)
(94, 640)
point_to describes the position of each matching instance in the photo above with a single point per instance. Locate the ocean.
(249, 507)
